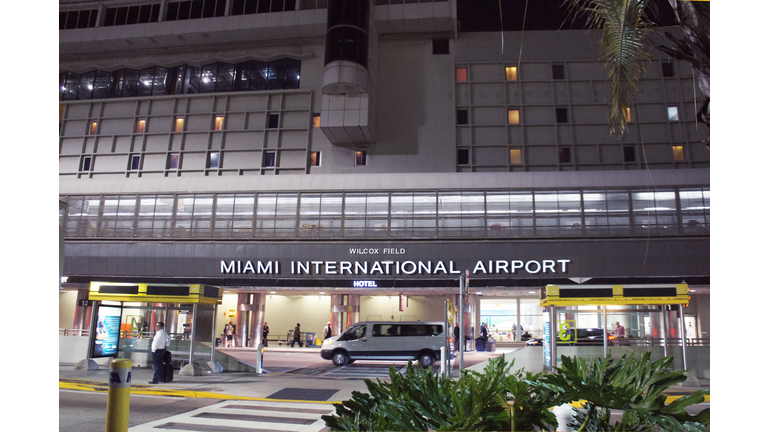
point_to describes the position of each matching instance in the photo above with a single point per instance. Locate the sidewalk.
(248, 385)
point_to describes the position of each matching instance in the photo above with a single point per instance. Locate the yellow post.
(119, 397)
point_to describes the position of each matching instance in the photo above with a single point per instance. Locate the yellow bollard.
(119, 397)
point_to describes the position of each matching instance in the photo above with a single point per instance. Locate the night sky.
(483, 15)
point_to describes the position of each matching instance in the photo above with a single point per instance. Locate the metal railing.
(74, 332)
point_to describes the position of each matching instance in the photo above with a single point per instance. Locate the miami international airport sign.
(393, 267)
(402, 263)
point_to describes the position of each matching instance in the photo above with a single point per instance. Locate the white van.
(386, 340)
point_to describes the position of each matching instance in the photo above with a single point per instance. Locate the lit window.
(561, 115)
(173, 161)
(94, 127)
(672, 114)
(316, 120)
(511, 73)
(677, 152)
(360, 158)
(462, 157)
(141, 126)
(213, 160)
(218, 123)
(273, 121)
(179, 125)
(314, 159)
(513, 116)
(269, 159)
(135, 162)
(564, 155)
(86, 165)
(515, 156)
(461, 74)
(628, 114)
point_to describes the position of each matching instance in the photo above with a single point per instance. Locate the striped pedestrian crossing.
(245, 416)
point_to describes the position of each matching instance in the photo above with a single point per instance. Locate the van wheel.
(426, 360)
(340, 358)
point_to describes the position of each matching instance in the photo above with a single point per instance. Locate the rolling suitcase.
(168, 367)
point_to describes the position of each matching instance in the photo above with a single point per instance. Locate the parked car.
(386, 340)
(583, 336)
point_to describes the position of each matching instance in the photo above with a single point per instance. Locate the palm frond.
(623, 48)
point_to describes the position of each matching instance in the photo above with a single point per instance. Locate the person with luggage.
(160, 343)
(297, 336)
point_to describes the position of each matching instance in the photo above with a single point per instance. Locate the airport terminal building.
(328, 160)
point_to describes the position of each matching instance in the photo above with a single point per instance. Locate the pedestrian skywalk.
(245, 416)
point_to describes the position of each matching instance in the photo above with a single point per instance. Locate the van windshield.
(353, 333)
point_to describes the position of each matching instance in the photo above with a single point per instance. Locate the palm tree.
(626, 42)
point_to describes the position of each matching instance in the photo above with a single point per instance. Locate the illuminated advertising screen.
(107, 332)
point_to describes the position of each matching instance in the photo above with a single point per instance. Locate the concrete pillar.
(257, 318)
(472, 319)
(337, 316)
(241, 332)
(172, 319)
(82, 313)
(353, 301)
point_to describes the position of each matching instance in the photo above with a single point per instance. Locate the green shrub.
(497, 399)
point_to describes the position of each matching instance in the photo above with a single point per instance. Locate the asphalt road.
(86, 411)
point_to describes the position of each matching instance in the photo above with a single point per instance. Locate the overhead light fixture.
(322, 292)
(273, 292)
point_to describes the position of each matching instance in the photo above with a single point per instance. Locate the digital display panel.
(107, 335)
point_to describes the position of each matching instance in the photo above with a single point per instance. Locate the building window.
(316, 120)
(173, 161)
(558, 71)
(94, 127)
(86, 164)
(440, 46)
(628, 114)
(561, 115)
(564, 155)
(513, 116)
(462, 157)
(218, 123)
(515, 156)
(179, 125)
(677, 152)
(667, 69)
(361, 158)
(135, 162)
(273, 121)
(213, 160)
(314, 159)
(141, 126)
(673, 114)
(461, 74)
(511, 73)
(269, 159)
(462, 117)
(629, 154)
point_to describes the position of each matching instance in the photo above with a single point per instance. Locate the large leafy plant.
(631, 384)
(498, 399)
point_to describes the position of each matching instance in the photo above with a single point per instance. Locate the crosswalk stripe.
(245, 416)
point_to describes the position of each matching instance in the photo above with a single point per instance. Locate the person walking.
(160, 343)
(264, 334)
(297, 336)
(327, 331)
(228, 334)
(456, 341)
